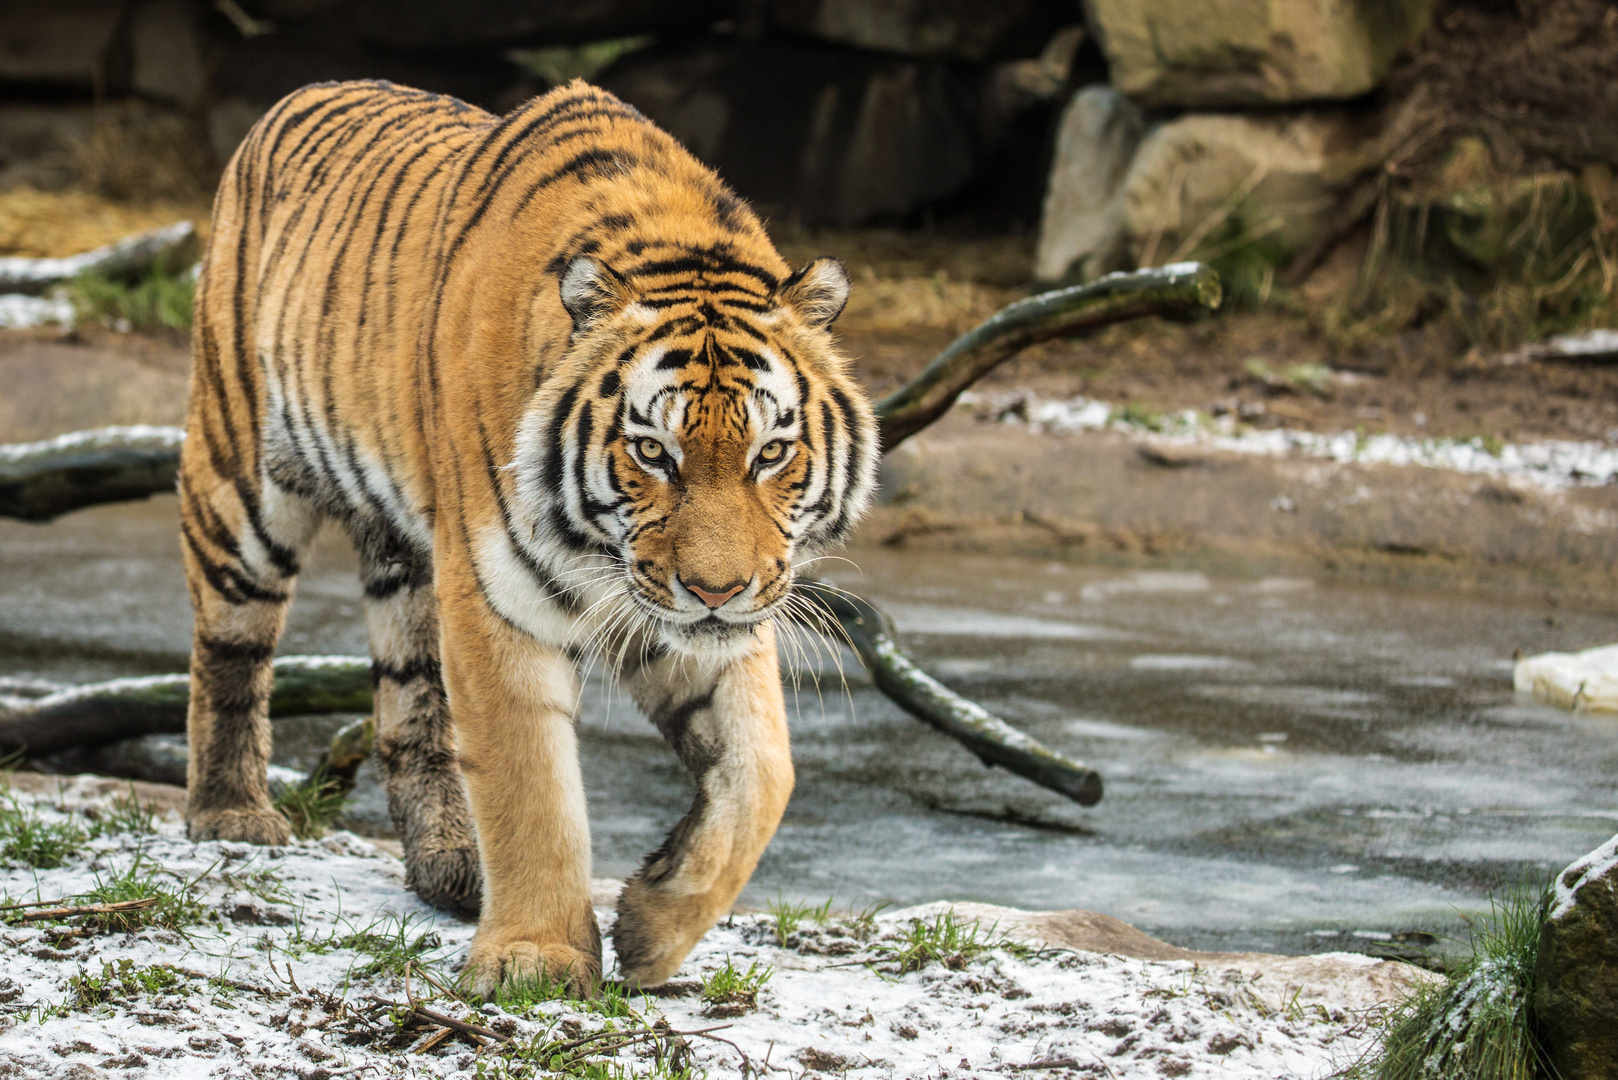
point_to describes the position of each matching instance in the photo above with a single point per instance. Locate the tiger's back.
(564, 394)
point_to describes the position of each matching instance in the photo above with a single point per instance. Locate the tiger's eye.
(650, 449)
(772, 451)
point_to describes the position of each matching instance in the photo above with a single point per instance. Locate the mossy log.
(42, 719)
(870, 632)
(40, 481)
(43, 480)
(1164, 290)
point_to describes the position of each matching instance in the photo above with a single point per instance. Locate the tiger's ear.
(818, 292)
(592, 291)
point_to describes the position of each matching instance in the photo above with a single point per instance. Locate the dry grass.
(916, 280)
(42, 224)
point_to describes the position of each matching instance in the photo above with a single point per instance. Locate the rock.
(167, 52)
(1331, 980)
(960, 29)
(65, 42)
(1082, 232)
(444, 26)
(1585, 681)
(1576, 980)
(829, 135)
(1249, 52)
(1211, 177)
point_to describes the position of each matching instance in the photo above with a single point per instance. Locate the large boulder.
(64, 43)
(1576, 981)
(826, 135)
(962, 29)
(1218, 53)
(1082, 232)
(444, 26)
(1209, 181)
(168, 51)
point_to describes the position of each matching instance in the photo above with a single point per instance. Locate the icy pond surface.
(1289, 766)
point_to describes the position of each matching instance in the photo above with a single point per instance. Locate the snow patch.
(274, 983)
(1552, 465)
(1592, 867)
(20, 312)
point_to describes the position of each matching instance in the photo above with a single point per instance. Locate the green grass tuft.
(394, 943)
(27, 838)
(944, 939)
(789, 916)
(1475, 1026)
(311, 806)
(732, 990)
(127, 814)
(174, 910)
(121, 981)
(157, 301)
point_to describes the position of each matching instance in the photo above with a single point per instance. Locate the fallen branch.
(1115, 298)
(175, 245)
(1054, 1063)
(43, 480)
(156, 704)
(441, 1020)
(994, 741)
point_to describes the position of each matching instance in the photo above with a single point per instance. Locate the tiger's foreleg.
(241, 543)
(415, 742)
(730, 730)
(513, 701)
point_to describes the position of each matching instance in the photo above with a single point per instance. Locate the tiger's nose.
(714, 597)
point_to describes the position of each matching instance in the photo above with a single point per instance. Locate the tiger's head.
(701, 438)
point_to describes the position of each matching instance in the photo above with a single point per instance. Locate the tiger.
(552, 377)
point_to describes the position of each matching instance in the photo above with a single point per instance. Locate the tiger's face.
(701, 442)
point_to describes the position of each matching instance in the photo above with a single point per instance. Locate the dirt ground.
(914, 292)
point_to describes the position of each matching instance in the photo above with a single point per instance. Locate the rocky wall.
(822, 111)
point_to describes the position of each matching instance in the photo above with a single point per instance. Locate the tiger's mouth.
(709, 633)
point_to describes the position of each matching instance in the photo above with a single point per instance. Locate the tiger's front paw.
(519, 962)
(655, 932)
(265, 827)
(451, 879)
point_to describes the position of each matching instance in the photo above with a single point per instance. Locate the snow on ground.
(1553, 464)
(291, 948)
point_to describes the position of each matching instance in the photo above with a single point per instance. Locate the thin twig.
(88, 909)
(433, 1040)
(443, 1021)
(1053, 1063)
(32, 904)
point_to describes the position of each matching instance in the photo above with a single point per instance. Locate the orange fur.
(568, 400)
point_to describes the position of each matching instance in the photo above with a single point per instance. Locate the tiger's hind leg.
(415, 740)
(241, 542)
